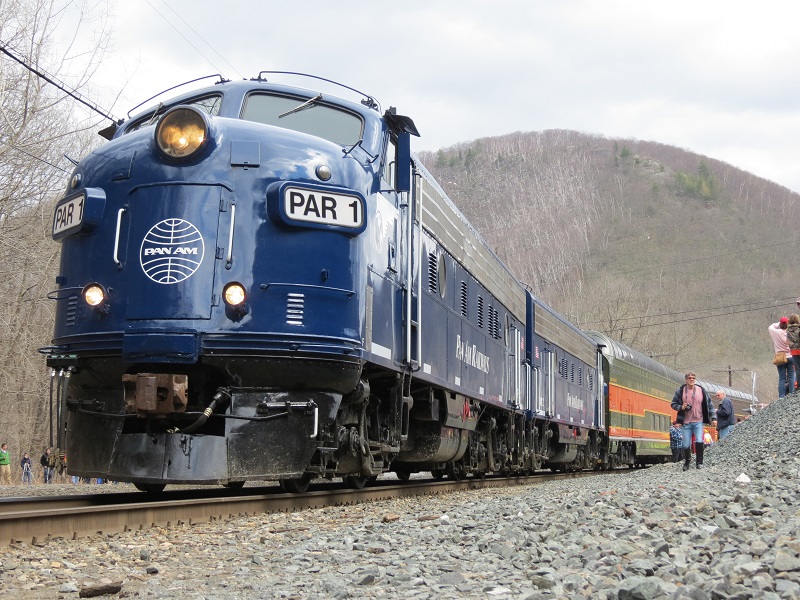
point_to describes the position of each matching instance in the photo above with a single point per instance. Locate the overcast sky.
(721, 78)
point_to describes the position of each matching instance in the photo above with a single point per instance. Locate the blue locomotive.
(261, 282)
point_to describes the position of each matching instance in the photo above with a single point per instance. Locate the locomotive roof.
(240, 88)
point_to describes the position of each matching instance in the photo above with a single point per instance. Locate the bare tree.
(39, 126)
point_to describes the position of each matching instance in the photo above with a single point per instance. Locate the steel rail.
(80, 516)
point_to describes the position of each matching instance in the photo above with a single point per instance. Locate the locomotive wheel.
(296, 486)
(403, 475)
(354, 482)
(234, 485)
(437, 474)
(479, 475)
(150, 488)
(455, 475)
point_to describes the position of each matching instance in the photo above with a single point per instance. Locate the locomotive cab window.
(390, 163)
(208, 104)
(309, 116)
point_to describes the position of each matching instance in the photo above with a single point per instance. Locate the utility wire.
(18, 149)
(199, 36)
(4, 48)
(685, 262)
(167, 21)
(714, 316)
(771, 304)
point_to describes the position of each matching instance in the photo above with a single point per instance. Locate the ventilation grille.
(464, 299)
(72, 309)
(494, 323)
(295, 309)
(480, 312)
(432, 273)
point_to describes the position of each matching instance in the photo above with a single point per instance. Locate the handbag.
(780, 358)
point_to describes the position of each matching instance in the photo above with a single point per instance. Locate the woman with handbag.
(786, 374)
(793, 339)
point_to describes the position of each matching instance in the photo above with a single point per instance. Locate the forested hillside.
(681, 256)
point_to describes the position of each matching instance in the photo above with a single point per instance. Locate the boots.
(687, 458)
(698, 450)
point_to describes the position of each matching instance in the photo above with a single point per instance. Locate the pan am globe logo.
(171, 251)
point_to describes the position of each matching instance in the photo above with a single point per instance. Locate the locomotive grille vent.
(480, 312)
(591, 380)
(72, 308)
(295, 308)
(463, 298)
(494, 323)
(432, 272)
(572, 372)
(563, 368)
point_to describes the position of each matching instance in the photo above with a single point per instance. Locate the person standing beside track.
(5, 465)
(676, 441)
(47, 466)
(786, 374)
(725, 417)
(27, 469)
(694, 408)
(793, 339)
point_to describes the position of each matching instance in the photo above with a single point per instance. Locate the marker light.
(234, 294)
(181, 132)
(94, 294)
(323, 172)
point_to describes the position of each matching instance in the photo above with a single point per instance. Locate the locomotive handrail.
(120, 212)
(221, 80)
(54, 295)
(265, 286)
(229, 255)
(367, 101)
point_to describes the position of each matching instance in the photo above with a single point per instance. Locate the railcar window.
(208, 104)
(390, 163)
(317, 119)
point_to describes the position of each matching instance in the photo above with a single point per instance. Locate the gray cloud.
(716, 77)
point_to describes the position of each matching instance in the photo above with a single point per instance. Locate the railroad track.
(37, 519)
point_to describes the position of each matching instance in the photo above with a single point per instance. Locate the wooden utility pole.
(730, 372)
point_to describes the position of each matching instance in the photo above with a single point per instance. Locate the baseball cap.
(784, 320)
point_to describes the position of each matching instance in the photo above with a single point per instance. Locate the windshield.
(208, 104)
(305, 116)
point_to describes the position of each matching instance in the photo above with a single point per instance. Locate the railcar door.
(515, 391)
(547, 397)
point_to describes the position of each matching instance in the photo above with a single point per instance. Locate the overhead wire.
(685, 262)
(687, 320)
(200, 37)
(771, 304)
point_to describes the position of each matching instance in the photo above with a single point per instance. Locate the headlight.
(94, 294)
(234, 294)
(181, 132)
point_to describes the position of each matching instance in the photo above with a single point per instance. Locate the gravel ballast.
(729, 530)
